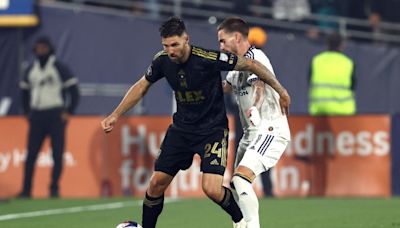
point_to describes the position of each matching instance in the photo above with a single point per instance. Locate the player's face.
(227, 41)
(41, 49)
(177, 47)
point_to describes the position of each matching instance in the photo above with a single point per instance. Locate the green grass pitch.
(199, 213)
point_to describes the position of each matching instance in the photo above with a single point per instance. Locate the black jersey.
(197, 87)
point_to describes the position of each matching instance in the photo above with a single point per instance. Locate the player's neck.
(243, 48)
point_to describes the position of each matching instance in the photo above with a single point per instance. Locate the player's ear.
(187, 39)
(237, 37)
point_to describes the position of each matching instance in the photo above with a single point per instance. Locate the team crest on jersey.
(182, 79)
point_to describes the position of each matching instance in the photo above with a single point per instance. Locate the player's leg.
(36, 136)
(213, 188)
(213, 163)
(154, 199)
(243, 144)
(247, 198)
(262, 154)
(57, 134)
(173, 156)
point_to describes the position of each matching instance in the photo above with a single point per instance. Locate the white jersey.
(270, 112)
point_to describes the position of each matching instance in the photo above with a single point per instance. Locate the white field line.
(69, 210)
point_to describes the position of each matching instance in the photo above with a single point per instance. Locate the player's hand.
(254, 115)
(284, 102)
(108, 123)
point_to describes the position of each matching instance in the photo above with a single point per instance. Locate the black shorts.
(179, 147)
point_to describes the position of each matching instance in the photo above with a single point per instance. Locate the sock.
(152, 207)
(234, 193)
(229, 205)
(248, 201)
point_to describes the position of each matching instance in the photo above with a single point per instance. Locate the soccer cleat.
(240, 224)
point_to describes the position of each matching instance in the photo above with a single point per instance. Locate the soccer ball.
(129, 224)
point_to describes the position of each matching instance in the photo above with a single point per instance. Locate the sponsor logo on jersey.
(190, 97)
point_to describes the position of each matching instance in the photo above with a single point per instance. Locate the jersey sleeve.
(154, 72)
(263, 59)
(225, 61)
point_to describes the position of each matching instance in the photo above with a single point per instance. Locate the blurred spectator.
(332, 81)
(154, 8)
(46, 87)
(386, 11)
(291, 10)
(358, 9)
(328, 8)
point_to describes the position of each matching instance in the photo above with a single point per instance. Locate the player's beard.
(179, 57)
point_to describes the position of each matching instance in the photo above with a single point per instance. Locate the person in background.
(50, 96)
(332, 81)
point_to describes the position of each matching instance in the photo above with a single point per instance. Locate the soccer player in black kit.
(200, 124)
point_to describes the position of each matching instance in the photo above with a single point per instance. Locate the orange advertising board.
(336, 156)
(96, 164)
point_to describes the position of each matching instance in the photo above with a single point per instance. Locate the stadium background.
(109, 49)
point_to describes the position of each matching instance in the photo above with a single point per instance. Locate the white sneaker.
(240, 224)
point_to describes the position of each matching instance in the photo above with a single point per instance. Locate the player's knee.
(156, 186)
(245, 173)
(242, 176)
(213, 192)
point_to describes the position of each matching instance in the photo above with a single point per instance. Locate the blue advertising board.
(17, 13)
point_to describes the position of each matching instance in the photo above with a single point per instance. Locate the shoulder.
(250, 53)
(350, 60)
(257, 54)
(160, 55)
(205, 53)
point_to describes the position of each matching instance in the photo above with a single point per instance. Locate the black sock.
(152, 207)
(229, 205)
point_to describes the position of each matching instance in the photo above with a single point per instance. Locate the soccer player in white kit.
(265, 126)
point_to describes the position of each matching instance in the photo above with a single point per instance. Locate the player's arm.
(255, 67)
(258, 98)
(131, 98)
(258, 94)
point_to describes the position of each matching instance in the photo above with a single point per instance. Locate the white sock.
(248, 201)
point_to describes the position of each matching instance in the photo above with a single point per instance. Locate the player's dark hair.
(334, 41)
(234, 24)
(172, 27)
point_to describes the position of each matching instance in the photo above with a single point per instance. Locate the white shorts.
(263, 152)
